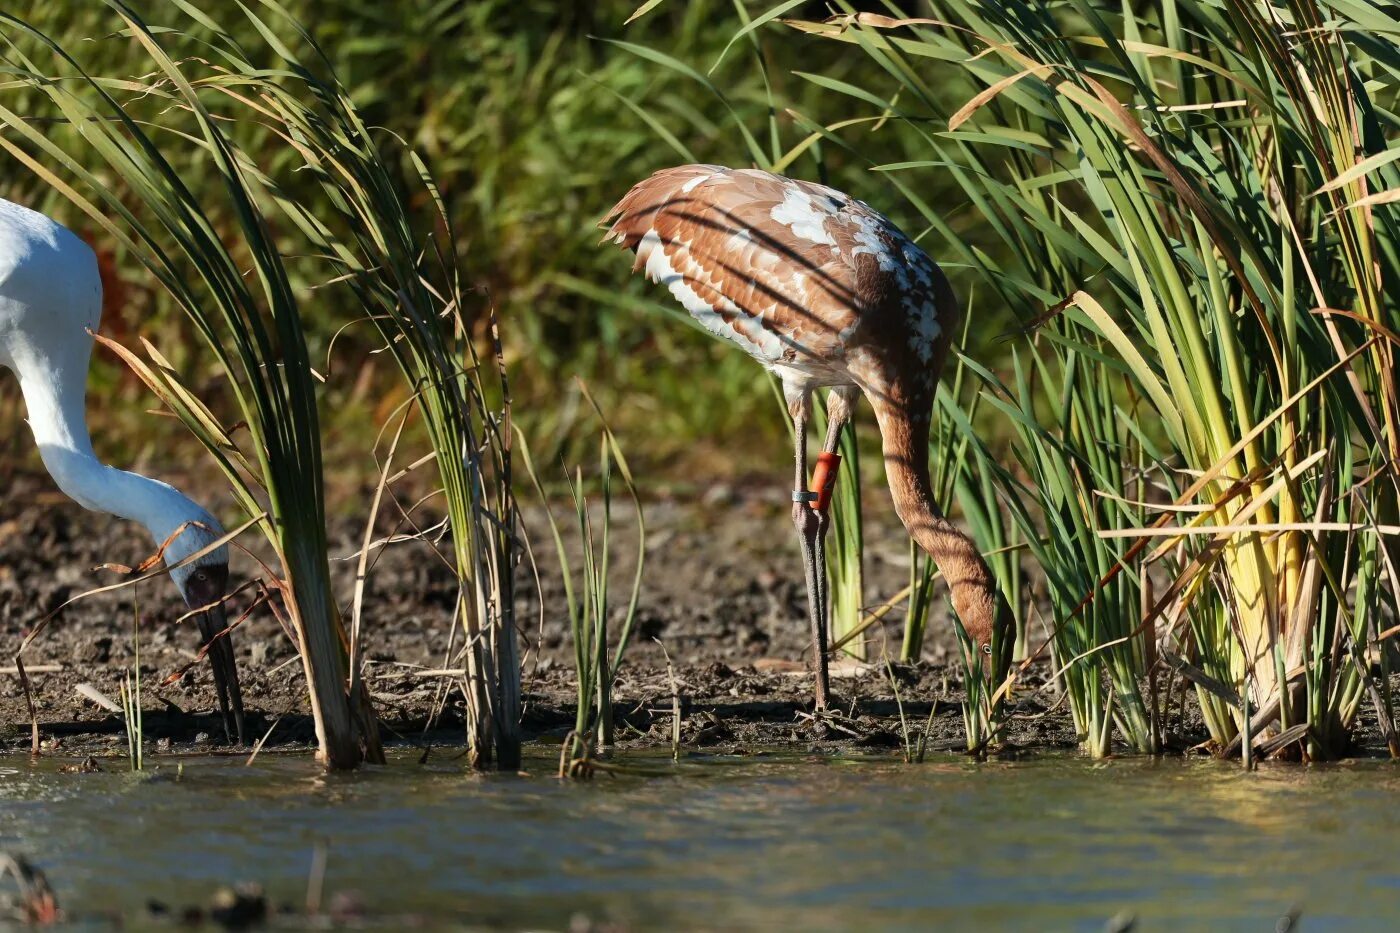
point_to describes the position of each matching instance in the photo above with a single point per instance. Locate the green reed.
(599, 649)
(1183, 209)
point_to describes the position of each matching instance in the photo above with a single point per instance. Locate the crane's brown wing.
(717, 238)
(792, 271)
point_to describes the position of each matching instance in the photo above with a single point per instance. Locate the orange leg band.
(824, 479)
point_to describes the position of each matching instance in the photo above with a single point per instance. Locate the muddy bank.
(722, 597)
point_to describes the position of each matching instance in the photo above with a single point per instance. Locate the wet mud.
(720, 637)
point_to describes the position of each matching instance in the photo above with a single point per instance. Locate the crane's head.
(189, 568)
(202, 579)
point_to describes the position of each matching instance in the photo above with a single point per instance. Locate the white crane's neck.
(50, 302)
(59, 423)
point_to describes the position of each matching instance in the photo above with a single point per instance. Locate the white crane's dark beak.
(206, 587)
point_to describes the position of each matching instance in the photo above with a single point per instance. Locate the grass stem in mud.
(131, 696)
(597, 653)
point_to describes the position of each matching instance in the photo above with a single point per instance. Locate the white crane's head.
(194, 575)
(200, 572)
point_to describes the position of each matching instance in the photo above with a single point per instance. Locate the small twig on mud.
(831, 719)
(675, 703)
(261, 742)
(89, 692)
(899, 704)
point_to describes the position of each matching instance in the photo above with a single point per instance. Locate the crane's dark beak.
(204, 590)
(219, 643)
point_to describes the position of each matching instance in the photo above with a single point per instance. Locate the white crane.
(50, 298)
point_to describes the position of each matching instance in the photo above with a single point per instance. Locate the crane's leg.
(838, 415)
(806, 521)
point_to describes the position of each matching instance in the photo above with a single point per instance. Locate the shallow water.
(724, 843)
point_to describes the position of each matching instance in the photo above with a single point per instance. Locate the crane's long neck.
(976, 597)
(54, 398)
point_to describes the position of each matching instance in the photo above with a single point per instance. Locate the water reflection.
(766, 843)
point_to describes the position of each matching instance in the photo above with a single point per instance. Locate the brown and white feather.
(816, 285)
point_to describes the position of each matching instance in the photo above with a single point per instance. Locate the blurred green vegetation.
(535, 117)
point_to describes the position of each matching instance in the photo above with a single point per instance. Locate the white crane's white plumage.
(50, 304)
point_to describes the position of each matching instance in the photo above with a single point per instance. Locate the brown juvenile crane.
(824, 292)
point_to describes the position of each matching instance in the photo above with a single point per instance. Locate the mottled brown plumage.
(825, 292)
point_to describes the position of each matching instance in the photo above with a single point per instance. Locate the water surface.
(766, 842)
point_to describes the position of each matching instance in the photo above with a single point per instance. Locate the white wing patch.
(805, 216)
(696, 182)
(869, 240)
(734, 325)
(924, 328)
(918, 261)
